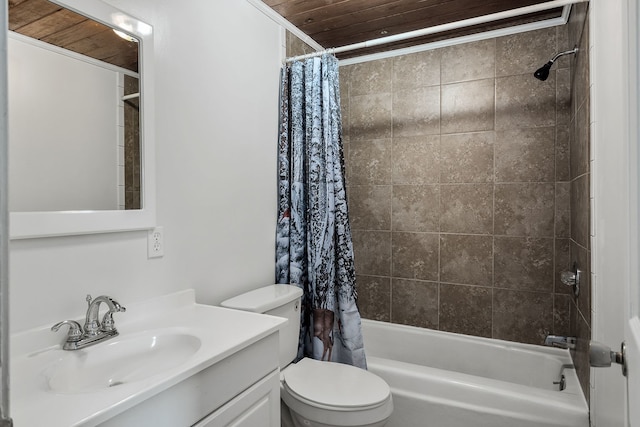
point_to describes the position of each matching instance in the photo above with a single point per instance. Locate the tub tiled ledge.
(171, 338)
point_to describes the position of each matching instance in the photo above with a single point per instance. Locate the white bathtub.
(441, 379)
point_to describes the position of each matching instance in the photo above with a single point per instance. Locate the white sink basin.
(163, 343)
(119, 361)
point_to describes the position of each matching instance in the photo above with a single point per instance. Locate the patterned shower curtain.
(314, 248)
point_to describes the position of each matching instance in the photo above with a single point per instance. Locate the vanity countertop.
(36, 401)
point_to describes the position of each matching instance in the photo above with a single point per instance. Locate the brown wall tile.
(524, 263)
(563, 209)
(414, 303)
(581, 257)
(524, 209)
(563, 97)
(562, 45)
(370, 207)
(563, 158)
(372, 252)
(580, 143)
(416, 111)
(374, 297)
(581, 329)
(562, 263)
(415, 255)
(470, 61)
(522, 316)
(466, 208)
(466, 259)
(465, 309)
(416, 160)
(467, 157)
(370, 162)
(370, 116)
(416, 208)
(580, 206)
(525, 102)
(296, 47)
(416, 70)
(525, 52)
(525, 155)
(468, 106)
(581, 80)
(562, 315)
(371, 77)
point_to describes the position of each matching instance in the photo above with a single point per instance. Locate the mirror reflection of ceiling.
(53, 24)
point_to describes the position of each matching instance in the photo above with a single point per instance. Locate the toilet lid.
(335, 384)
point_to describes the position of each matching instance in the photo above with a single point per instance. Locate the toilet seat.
(335, 393)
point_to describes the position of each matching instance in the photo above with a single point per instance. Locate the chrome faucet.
(94, 331)
(560, 341)
(92, 326)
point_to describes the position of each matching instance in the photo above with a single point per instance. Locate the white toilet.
(317, 394)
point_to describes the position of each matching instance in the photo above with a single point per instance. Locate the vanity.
(175, 363)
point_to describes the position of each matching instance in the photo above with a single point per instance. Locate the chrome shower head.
(542, 73)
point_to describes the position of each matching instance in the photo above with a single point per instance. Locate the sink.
(119, 361)
(168, 347)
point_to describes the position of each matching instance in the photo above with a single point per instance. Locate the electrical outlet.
(155, 243)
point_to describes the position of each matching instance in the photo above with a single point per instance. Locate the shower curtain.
(314, 249)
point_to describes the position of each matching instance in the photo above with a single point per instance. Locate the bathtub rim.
(497, 342)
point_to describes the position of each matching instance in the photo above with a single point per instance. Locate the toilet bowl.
(320, 394)
(315, 393)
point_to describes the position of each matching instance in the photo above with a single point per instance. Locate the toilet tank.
(275, 300)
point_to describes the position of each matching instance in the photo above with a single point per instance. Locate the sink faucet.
(92, 326)
(94, 331)
(560, 341)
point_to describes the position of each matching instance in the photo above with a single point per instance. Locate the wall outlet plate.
(155, 243)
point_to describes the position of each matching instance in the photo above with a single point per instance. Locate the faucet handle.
(108, 324)
(75, 330)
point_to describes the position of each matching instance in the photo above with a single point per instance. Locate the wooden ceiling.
(331, 23)
(335, 23)
(53, 24)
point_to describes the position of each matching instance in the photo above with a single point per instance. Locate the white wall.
(63, 136)
(217, 65)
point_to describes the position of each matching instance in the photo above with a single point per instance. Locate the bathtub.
(441, 379)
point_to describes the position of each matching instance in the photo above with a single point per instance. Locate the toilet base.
(299, 421)
(285, 416)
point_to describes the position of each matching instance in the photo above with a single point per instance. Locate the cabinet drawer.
(259, 406)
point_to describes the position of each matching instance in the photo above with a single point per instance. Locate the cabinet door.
(258, 406)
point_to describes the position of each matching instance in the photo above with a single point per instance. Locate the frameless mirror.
(80, 119)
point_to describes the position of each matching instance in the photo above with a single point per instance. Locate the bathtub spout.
(560, 341)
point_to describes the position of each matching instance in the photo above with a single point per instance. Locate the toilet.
(309, 388)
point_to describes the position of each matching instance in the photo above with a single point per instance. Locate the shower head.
(542, 73)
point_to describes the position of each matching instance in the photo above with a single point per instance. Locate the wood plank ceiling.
(335, 23)
(331, 23)
(53, 24)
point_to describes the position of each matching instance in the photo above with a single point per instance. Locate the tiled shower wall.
(459, 184)
(580, 188)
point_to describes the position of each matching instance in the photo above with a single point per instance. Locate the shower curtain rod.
(444, 27)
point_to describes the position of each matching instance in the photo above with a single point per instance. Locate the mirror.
(88, 169)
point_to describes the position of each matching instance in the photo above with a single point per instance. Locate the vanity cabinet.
(242, 390)
(252, 408)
